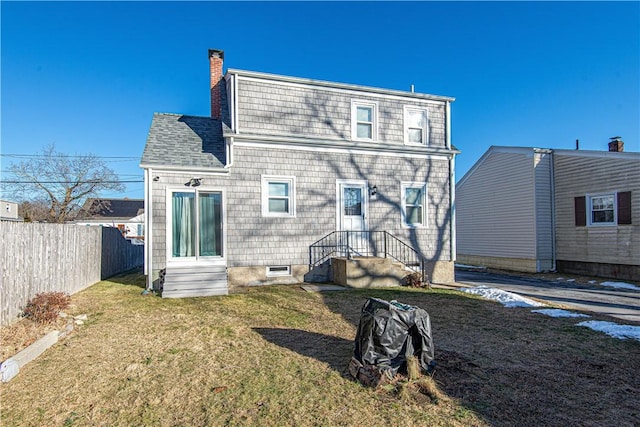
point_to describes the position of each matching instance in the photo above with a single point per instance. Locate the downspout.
(148, 222)
(552, 172)
(452, 182)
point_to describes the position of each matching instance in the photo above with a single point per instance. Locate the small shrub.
(415, 280)
(45, 307)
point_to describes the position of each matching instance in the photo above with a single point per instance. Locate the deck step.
(195, 281)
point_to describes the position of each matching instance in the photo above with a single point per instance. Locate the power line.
(14, 155)
(69, 182)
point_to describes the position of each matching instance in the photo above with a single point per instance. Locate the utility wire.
(68, 182)
(68, 155)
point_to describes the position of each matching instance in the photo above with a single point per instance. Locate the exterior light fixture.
(373, 191)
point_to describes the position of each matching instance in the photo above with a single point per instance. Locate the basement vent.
(278, 270)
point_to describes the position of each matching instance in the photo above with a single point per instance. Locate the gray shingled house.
(293, 179)
(539, 209)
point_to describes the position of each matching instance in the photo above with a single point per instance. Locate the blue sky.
(88, 76)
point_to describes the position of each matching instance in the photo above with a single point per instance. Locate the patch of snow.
(472, 267)
(556, 312)
(571, 280)
(507, 299)
(559, 279)
(593, 282)
(613, 329)
(621, 285)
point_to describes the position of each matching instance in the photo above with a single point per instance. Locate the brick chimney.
(616, 144)
(215, 65)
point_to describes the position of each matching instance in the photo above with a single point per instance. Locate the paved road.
(620, 303)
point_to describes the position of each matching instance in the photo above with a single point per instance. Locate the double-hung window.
(278, 196)
(415, 126)
(364, 121)
(414, 196)
(602, 209)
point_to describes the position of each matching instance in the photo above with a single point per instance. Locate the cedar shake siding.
(303, 131)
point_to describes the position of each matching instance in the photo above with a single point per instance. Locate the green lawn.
(277, 355)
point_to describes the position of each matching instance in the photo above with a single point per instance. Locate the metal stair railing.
(365, 243)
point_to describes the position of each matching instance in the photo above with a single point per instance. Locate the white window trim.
(354, 119)
(195, 260)
(291, 181)
(286, 270)
(589, 209)
(425, 128)
(403, 213)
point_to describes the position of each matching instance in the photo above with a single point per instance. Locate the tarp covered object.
(389, 332)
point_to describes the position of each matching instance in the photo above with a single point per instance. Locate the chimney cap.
(615, 138)
(216, 53)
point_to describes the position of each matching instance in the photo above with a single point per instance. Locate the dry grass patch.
(276, 356)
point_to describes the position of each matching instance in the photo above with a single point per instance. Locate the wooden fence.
(37, 258)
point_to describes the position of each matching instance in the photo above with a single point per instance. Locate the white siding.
(495, 206)
(577, 176)
(544, 210)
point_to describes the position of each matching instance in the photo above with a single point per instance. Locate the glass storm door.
(196, 224)
(352, 205)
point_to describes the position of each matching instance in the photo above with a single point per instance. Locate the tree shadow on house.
(333, 351)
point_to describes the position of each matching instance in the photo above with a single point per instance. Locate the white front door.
(352, 213)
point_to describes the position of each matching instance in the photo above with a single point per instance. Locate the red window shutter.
(624, 208)
(580, 204)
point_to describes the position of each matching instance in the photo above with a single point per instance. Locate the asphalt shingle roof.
(188, 141)
(111, 208)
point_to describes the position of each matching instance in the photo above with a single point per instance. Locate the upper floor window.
(415, 126)
(364, 120)
(414, 204)
(278, 196)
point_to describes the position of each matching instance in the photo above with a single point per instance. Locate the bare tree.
(35, 210)
(63, 181)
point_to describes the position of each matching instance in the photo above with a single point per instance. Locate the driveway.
(620, 303)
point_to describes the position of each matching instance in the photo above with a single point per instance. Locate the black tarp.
(390, 332)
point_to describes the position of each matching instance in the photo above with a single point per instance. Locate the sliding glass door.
(196, 224)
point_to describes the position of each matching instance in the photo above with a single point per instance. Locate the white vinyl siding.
(495, 207)
(580, 176)
(544, 211)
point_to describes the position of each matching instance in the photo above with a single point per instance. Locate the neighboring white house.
(9, 211)
(536, 209)
(127, 215)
